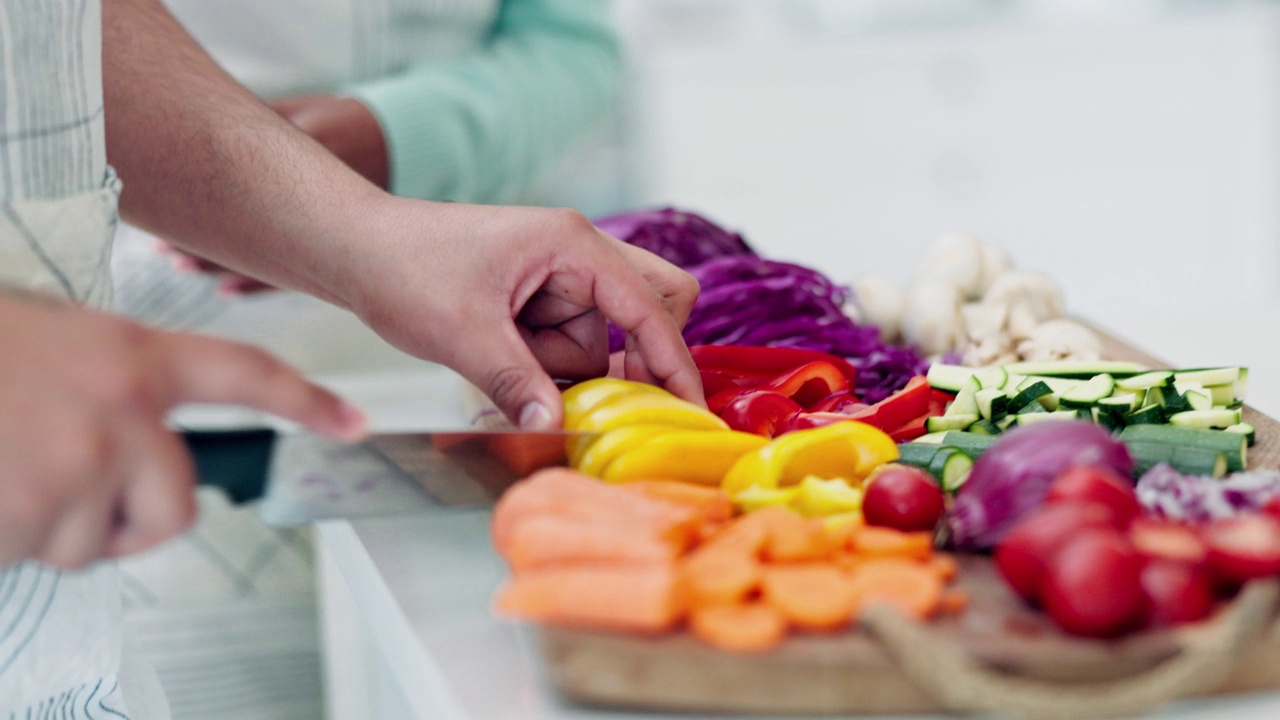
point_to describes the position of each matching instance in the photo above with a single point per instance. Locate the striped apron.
(61, 638)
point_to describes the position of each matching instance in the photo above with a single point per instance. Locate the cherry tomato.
(1157, 538)
(1092, 585)
(903, 498)
(1097, 484)
(1177, 592)
(1025, 552)
(1243, 547)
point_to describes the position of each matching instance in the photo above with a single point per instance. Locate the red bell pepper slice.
(762, 412)
(810, 383)
(808, 420)
(715, 382)
(841, 402)
(762, 363)
(911, 430)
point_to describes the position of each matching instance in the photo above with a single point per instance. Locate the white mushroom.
(1041, 297)
(957, 258)
(982, 320)
(1023, 320)
(995, 262)
(879, 300)
(994, 349)
(1061, 339)
(931, 318)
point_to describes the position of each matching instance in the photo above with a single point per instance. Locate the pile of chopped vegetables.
(749, 300)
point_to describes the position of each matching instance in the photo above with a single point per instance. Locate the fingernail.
(535, 416)
(354, 423)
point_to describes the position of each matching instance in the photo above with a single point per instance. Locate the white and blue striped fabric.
(61, 636)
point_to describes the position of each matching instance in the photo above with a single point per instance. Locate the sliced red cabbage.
(679, 237)
(747, 300)
(1193, 498)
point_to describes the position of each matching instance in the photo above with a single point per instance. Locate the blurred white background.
(1130, 149)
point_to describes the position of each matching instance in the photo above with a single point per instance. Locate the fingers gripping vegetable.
(1012, 478)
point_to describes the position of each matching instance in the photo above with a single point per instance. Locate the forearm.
(208, 166)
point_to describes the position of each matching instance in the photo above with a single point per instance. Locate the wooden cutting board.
(998, 656)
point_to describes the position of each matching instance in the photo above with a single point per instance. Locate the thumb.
(507, 372)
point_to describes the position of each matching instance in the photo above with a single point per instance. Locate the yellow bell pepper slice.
(757, 497)
(816, 497)
(583, 397)
(598, 452)
(848, 450)
(647, 409)
(689, 456)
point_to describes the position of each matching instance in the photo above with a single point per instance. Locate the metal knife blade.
(455, 468)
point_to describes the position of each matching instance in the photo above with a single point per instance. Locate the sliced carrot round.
(750, 627)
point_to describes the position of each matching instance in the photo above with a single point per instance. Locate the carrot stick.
(638, 598)
(711, 504)
(718, 577)
(564, 492)
(945, 566)
(882, 542)
(545, 540)
(909, 586)
(813, 596)
(749, 627)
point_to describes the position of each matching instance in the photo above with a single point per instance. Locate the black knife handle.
(237, 461)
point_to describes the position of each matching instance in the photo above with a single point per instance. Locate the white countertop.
(422, 583)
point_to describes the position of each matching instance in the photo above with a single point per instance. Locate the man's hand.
(88, 468)
(509, 296)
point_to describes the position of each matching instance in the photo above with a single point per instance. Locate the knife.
(454, 468)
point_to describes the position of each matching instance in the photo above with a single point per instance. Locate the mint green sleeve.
(483, 126)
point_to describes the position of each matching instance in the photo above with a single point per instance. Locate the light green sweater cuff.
(482, 127)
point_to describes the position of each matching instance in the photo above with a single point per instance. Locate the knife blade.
(455, 468)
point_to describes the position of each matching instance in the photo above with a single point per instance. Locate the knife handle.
(236, 461)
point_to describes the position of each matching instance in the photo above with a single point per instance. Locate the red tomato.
(1177, 592)
(1100, 485)
(1272, 507)
(1243, 547)
(1025, 552)
(1092, 587)
(903, 498)
(1167, 539)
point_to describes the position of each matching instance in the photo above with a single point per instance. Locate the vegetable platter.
(844, 530)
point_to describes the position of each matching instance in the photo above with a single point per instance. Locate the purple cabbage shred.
(1195, 498)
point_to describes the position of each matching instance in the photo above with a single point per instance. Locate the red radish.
(903, 498)
(1177, 592)
(1091, 587)
(1243, 547)
(1167, 539)
(1092, 483)
(1026, 550)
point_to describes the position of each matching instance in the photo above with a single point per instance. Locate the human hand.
(508, 296)
(88, 468)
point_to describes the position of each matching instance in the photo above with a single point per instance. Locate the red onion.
(1012, 478)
